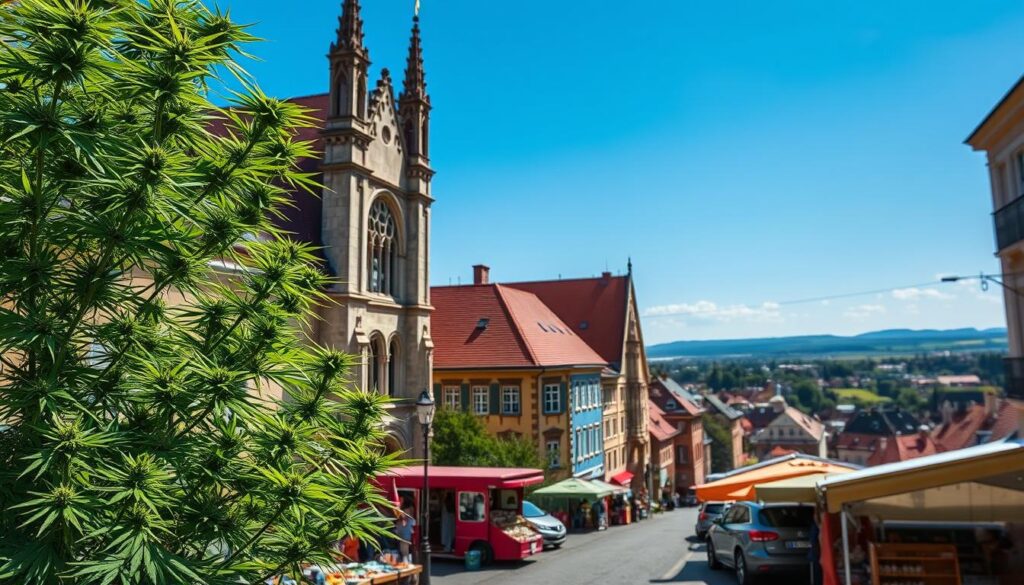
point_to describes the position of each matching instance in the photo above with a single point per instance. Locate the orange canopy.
(739, 484)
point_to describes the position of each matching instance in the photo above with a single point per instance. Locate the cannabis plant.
(163, 416)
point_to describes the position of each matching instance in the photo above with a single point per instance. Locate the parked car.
(707, 514)
(549, 527)
(757, 539)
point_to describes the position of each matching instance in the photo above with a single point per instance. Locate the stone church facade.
(372, 221)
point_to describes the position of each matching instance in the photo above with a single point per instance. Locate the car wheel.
(742, 576)
(713, 562)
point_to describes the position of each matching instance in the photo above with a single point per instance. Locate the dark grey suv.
(760, 539)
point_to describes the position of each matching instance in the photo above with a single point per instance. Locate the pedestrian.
(404, 526)
(599, 511)
(448, 522)
(584, 514)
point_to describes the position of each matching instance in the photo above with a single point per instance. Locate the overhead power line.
(982, 278)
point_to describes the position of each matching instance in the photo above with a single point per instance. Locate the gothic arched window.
(376, 364)
(393, 363)
(341, 95)
(382, 249)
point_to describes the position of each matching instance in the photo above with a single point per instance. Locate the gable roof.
(882, 422)
(903, 448)
(722, 408)
(962, 430)
(520, 330)
(808, 424)
(595, 309)
(659, 428)
(661, 391)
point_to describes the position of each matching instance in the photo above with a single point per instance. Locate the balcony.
(1009, 222)
(1014, 369)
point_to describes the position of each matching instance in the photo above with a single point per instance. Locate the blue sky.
(743, 153)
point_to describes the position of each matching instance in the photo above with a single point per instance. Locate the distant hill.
(889, 341)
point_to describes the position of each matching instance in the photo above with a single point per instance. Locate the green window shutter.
(495, 399)
(565, 397)
(464, 391)
(437, 394)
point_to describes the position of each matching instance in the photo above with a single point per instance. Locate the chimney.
(606, 275)
(481, 274)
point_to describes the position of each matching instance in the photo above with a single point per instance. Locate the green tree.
(809, 396)
(721, 444)
(143, 442)
(460, 439)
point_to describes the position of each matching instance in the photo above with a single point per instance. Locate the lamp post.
(425, 412)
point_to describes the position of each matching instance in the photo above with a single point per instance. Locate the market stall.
(890, 520)
(372, 573)
(739, 484)
(472, 508)
(572, 499)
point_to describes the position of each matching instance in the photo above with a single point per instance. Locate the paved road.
(659, 550)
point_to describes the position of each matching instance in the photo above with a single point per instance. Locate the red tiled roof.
(595, 308)
(1007, 421)
(858, 441)
(748, 427)
(521, 331)
(778, 451)
(659, 428)
(902, 448)
(809, 424)
(962, 430)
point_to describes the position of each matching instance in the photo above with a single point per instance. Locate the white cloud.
(709, 311)
(861, 312)
(914, 294)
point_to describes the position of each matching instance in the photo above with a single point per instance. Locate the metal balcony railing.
(1014, 369)
(1009, 223)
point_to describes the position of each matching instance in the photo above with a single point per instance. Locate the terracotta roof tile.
(659, 428)
(520, 330)
(662, 391)
(595, 309)
(903, 448)
(962, 430)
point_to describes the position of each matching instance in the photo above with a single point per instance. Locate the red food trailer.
(472, 508)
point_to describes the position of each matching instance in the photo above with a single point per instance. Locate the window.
(382, 249)
(552, 399)
(681, 426)
(554, 454)
(472, 507)
(607, 428)
(595, 395)
(1020, 172)
(681, 453)
(578, 447)
(481, 401)
(510, 400)
(377, 364)
(450, 397)
(670, 405)
(393, 361)
(577, 397)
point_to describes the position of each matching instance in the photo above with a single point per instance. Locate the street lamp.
(425, 411)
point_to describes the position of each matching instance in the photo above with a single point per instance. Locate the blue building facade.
(585, 419)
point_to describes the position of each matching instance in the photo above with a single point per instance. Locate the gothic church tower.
(376, 222)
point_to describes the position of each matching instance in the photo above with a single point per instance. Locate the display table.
(366, 574)
(401, 577)
(923, 564)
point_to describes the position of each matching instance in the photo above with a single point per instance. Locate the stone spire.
(350, 28)
(415, 85)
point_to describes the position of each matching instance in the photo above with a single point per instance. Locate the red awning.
(623, 478)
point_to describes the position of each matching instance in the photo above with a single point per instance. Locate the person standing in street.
(404, 526)
(599, 511)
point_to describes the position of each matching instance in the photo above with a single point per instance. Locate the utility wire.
(942, 281)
